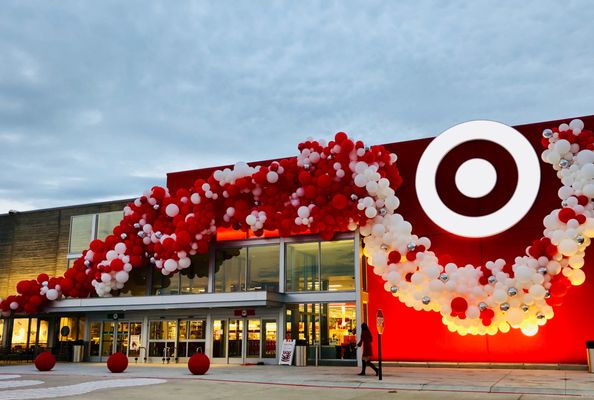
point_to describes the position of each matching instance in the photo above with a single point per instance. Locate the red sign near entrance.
(379, 321)
(244, 313)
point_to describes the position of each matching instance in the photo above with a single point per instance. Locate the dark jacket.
(365, 342)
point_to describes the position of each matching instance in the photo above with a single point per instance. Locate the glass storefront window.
(106, 222)
(194, 279)
(183, 330)
(81, 233)
(328, 266)
(332, 326)
(270, 339)
(163, 330)
(107, 339)
(253, 349)
(135, 339)
(337, 265)
(71, 323)
(163, 284)
(302, 266)
(94, 338)
(219, 338)
(263, 267)
(197, 329)
(32, 331)
(162, 337)
(191, 337)
(230, 266)
(136, 285)
(43, 333)
(20, 332)
(122, 337)
(235, 337)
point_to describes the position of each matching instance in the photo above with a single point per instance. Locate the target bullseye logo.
(477, 177)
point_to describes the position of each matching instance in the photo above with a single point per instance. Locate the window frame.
(72, 256)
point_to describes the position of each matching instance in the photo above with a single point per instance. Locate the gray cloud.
(100, 99)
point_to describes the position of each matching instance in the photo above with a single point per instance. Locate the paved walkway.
(408, 380)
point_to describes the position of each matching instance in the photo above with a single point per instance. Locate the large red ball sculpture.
(198, 364)
(45, 361)
(117, 362)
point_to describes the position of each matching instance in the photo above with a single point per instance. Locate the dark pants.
(364, 365)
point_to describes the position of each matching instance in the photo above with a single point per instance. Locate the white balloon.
(303, 212)
(170, 265)
(121, 276)
(52, 294)
(272, 177)
(172, 210)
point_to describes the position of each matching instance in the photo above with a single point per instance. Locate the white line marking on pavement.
(73, 390)
(9, 376)
(13, 384)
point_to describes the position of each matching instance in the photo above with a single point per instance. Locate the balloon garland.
(340, 186)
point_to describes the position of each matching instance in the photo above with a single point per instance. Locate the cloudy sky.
(98, 100)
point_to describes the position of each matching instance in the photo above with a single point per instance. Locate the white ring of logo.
(507, 216)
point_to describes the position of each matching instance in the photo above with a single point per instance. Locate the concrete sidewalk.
(397, 379)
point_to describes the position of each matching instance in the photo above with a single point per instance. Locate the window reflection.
(263, 267)
(230, 264)
(328, 266)
(80, 233)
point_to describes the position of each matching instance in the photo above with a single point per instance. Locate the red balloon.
(198, 364)
(42, 278)
(459, 306)
(339, 201)
(117, 362)
(566, 214)
(45, 361)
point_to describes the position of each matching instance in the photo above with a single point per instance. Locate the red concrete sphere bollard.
(45, 361)
(198, 364)
(117, 362)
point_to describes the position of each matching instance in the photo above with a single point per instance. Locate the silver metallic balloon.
(542, 270)
(354, 197)
(158, 234)
(123, 236)
(156, 207)
(547, 133)
(491, 279)
(137, 225)
(512, 291)
(306, 166)
(524, 307)
(547, 294)
(394, 289)
(384, 247)
(504, 307)
(411, 246)
(540, 315)
(580, 239)
(426, 300)
(140, 234)
(564, 163)
(444, 277)
(482, 306)
(383, 211)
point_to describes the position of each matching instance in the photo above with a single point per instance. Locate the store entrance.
(108, 337)
(244, 340)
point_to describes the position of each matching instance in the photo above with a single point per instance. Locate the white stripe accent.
(74, 390)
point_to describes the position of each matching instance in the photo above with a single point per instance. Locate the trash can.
(77, 353)
(300, 356)
(590, 350)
